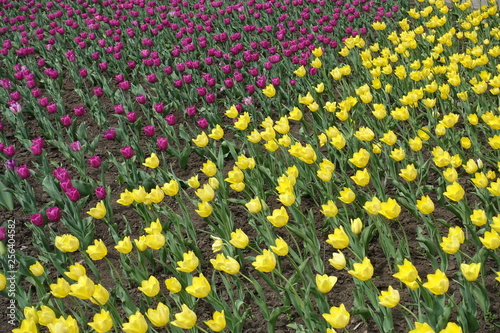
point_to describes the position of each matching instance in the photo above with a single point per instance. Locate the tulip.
(23, 171)
(471, 271)
(53, 214)
(127, 152)
(185, 319)
(98, 250)
(83, 289)
(36, 269)
(99, 211)
(102, 322)
(338, 239)
(100, 295)
(218, 323)
(75, 271)
(173, 285)
(150, 287)
(136, 324)
(338, 317)
(60, 289)
(389, 298)
(362, 271)
(95, 161)
(265, 262)
(200, 287)
(325, 283)
(437, 283)
(189, 263)
(239, 239)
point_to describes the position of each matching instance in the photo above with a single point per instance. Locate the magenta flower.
(127, 152)
(66, 120)
(124, 85)
(210, 98)
(3, 234)
(73, 194)
(98, 91)
(79, 111)
(100, 192)
(23, 171)
(75, 146)
(131, 117)
(159, 108)
(191, 111)
(10, 164)
(95, 161)
(36, 149)
(52, 108)
(110, 134)
(149, 130)
(37, 219)
(14, 106)
(203, 123)
(141, 99)
(61, 174)
(66, 184)
(171, 119)
(53, 214)
(162, 143)
(9, 151)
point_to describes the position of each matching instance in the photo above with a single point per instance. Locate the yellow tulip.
(338, 317)
(325, 283)
(152, 162)
(265, 262)
(150, 287)
(186, 319)
(437, 283)
(200, 287)
(99, 211)
(389, 298)
(362, 271)
(98, 250)
(218, 323)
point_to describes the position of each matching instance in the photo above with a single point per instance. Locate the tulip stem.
(201, 329)
(409, 311)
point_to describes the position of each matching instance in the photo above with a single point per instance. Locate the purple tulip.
(171, 119)
(203, 123)
(61, 174)
(100, 192)
(79, 111)
(202, 91)
(131, 116)
(149, 130)
(124, 85)
(127, 152)
(9, 151)
(162, 143)
(73, 194)
(159, 108)
(66, 184)
(110, 134)
(52, 108)
(98, 91)
(10, 164)
(75, 146)
(36, 149)
(210, 98)
(95, 161)
(3, 233)
(66, 120)
(191, 111)
(141, 99)
(23, 171)
(53, 214)
(37, 219)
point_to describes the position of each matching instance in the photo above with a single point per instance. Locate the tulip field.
(253, 166)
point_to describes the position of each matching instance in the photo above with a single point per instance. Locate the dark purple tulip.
(53, 214)
(98, 91)
(100, 193)
(10, 164)
(171, 119)
(131, 116)
(3, 234)
(250, 88)
(202, 91)
(52, 108)
(127, 152)
(73, 194)
(119, 109)
(124, 85)
(37, 219)
(275, 81)
(162, 143)
(95, 161)
(75, 146)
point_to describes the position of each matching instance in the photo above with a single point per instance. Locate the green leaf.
(6, 198)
